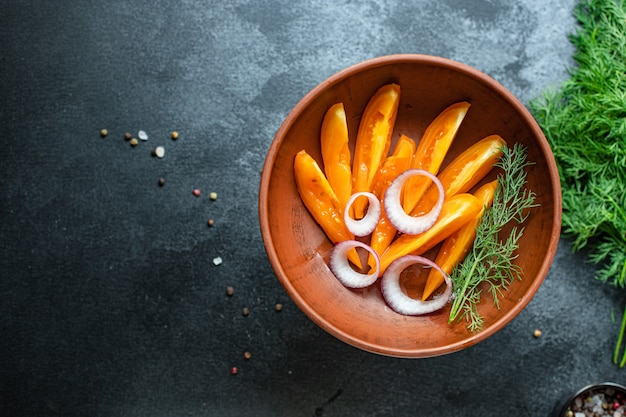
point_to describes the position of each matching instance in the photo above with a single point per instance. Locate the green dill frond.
(585, 124)
(490, 262)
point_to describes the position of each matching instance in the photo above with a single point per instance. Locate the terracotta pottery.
(299, 251)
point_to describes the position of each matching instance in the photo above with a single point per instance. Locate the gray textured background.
(110, 304)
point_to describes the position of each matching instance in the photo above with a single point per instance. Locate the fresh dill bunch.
(585, 124)
(490, 263)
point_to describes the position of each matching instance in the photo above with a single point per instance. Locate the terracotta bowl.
(299, 250)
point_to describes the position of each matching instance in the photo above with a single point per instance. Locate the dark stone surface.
(110, 304)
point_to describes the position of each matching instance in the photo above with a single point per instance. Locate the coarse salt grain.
(142, 135)
(217, 261)
(159, 152)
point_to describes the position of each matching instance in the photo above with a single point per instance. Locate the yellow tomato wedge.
(456, 211)
(373, 140)
(394, 165)
(320, 200)
(465, 171)
(336, 153)
(432, 149)
(454, 249)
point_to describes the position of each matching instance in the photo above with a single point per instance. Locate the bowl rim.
(452, 65)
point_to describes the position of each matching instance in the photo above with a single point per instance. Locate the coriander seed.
(247, 355)
(245, 311)
(210, 222)
(230, 291)
(174, 135)
(134, 142)
(213, 196)
(278, 307)
(104, 132)
(127, 136)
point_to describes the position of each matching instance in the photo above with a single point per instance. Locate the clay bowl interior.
(298, 249)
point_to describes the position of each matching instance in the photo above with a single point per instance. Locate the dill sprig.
(585, 124)
(490, 263)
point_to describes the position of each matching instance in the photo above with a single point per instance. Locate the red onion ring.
(340, 265)
(367, 224)
(402, 303)
(402, 221)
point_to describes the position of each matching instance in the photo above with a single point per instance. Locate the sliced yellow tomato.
(456, 212)
(336, 153)
(394, 165)
(432, 149)
(373, 140)
(320, 200)
(454, 249)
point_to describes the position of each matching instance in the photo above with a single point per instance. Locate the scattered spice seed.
(174, 135)
(213, 196)
(210, 222)
(234, 370)
(537, 333)
(245, 311)
(230, 291)
(159, 151)
(127, 136)
(161, 182)
(134, 142)
(196, 192)
(247, 355)
(104, 132)
(278, 307)
(142, 135)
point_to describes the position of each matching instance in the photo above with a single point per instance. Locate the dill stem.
(619, 342)
(458, 302)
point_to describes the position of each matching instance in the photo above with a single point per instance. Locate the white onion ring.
(340, 265)
(367, 224)
(402, 221)
(402, 303)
